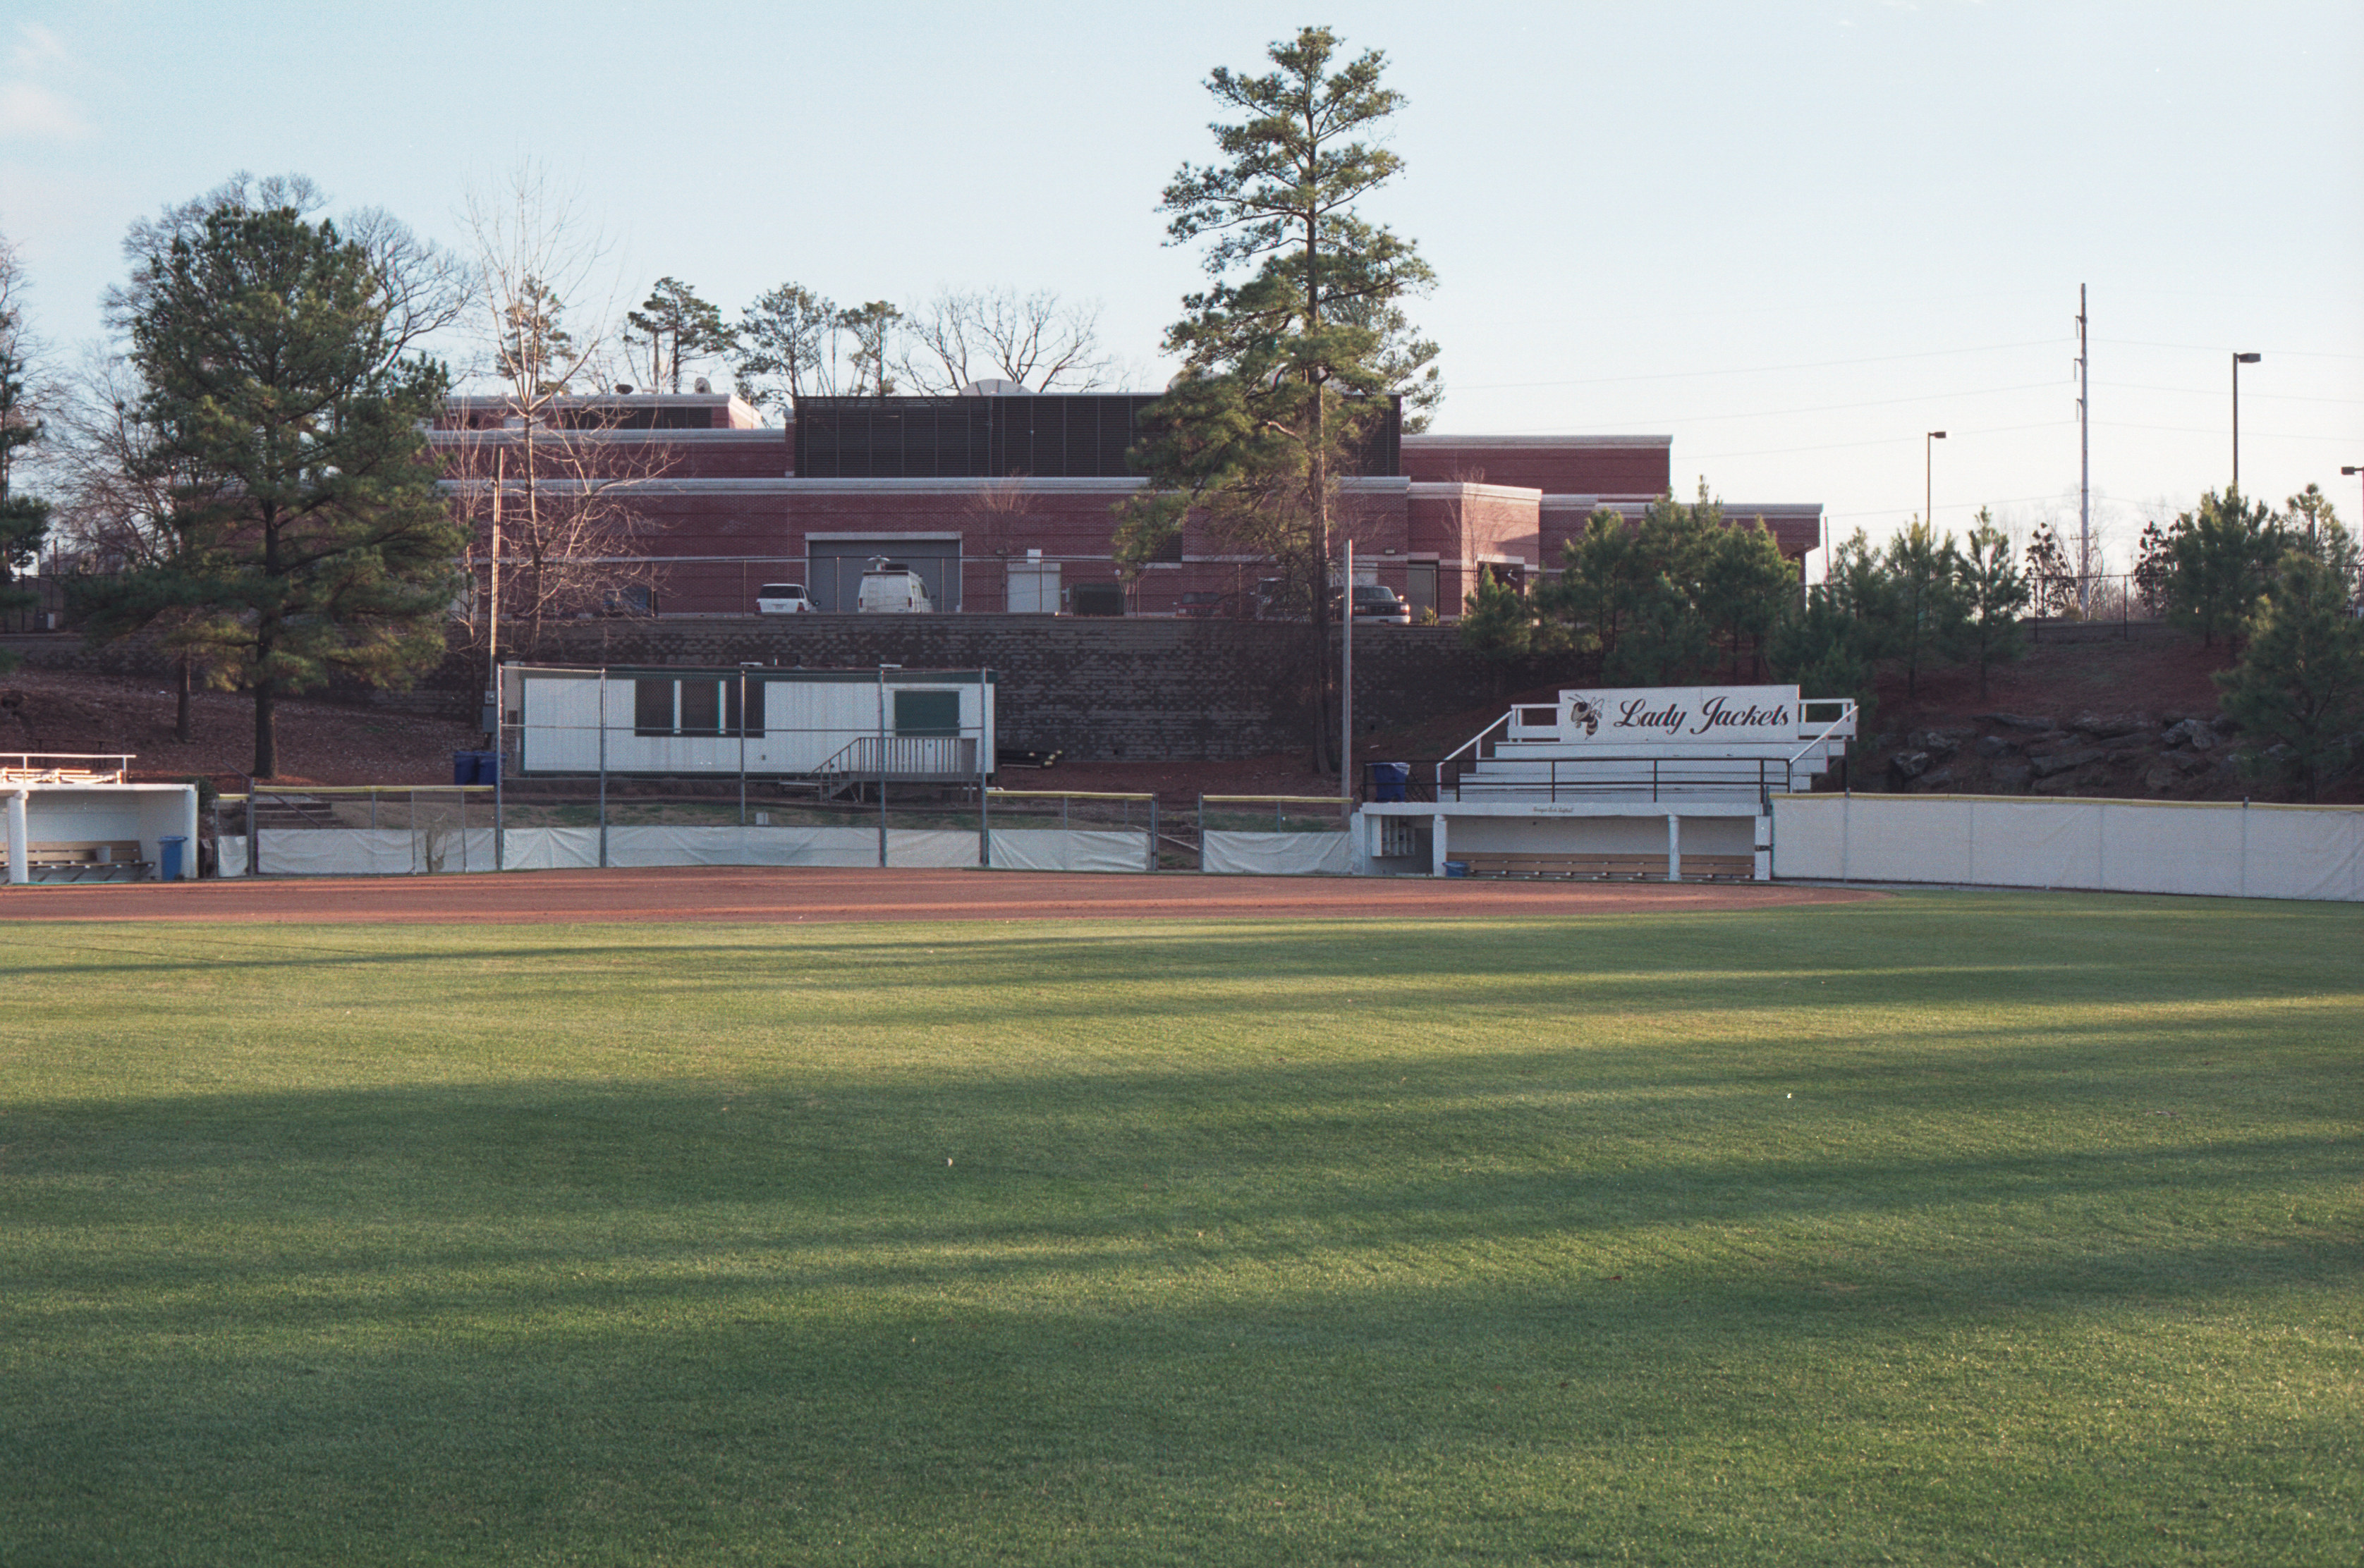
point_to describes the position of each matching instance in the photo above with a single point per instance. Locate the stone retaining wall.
(1140, 689)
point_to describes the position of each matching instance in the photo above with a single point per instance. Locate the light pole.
(882, 762)
(2238, 361)
(2352, 470)
(1928, 486)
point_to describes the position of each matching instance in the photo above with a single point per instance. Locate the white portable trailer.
(758, 720)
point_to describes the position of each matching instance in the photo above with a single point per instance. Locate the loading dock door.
(1034, 587)
(835, 567)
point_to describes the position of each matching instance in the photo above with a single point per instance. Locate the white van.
(893, 588)
(783, 599)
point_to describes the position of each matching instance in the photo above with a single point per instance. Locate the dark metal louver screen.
(1051, 436)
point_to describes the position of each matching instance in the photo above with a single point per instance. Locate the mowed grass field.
(1948, 1229)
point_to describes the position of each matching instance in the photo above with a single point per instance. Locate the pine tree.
(2220, 555)
(2300, 684)
(1285, 371)
(1928, 611)
(2153, 565)
(2052, 583)
(676, 328)
(1993, 595)
(24, 519)
(307, 536)
(1498, 624)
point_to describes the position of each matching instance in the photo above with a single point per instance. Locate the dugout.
(74, 819)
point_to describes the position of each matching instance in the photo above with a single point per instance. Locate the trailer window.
(703, 707)
(927, 713)
(652, 706)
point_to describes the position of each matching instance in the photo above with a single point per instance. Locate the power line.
(1754, 370)
(2219, 347)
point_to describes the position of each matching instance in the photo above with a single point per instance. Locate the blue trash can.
(1387, 780)
(488, 767)
(463, 767)
(1456, 868)
(171, 854)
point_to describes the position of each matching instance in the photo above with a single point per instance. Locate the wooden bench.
(1570, 867)
(1607, 868)
(92, 860)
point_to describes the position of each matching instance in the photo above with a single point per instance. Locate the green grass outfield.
(1947, 1228)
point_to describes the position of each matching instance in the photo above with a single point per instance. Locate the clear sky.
(1793, 237)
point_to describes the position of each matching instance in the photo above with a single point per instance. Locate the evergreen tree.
(1599, 584)
(534, 352)
(1498, 624)
(1285, 371)
(1929, 614)
(872, 327)
(1830, 643)
(2300, 684)
(2051, 581)
(1994, 596)
(676, 328)
(786, 348)
(307, 536)
(2219, 557)
(1744, 584)
(2153, 564)
(1824, 648)
(24, 519)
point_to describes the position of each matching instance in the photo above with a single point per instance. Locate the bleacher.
(1659, 745)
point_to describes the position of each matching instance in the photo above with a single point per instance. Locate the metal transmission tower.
(2084, 458)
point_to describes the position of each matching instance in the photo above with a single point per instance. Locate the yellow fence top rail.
(1278, 799)
(308, 790)
(1818, 796)
(1061, 795)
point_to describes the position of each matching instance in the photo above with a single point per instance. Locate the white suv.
(782, 599)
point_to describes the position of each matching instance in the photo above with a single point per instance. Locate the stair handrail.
(1465, 746)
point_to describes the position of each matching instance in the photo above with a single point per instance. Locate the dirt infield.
(754, 894)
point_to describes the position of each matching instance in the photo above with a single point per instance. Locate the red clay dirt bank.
(786, 896)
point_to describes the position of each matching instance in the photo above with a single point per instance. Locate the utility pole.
(493, 608)
(2238, 361)
(1347, 683)
(2084, 455)
(1928, 480)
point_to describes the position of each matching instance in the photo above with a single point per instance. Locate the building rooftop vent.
(992, 386)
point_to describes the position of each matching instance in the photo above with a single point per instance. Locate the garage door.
(834, 575)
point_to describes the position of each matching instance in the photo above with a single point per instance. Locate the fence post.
(501, 848)
(1152, 832)
(603, 768)
(253, 851)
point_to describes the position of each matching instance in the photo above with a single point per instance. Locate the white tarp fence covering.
(1071, 848)
(367, 852)
(399, 851)
(1278, 854)
(2120, 846)
(229, 855)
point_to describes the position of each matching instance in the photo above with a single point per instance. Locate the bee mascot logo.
(1584, 713)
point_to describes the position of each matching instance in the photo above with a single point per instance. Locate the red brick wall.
(1638, 468)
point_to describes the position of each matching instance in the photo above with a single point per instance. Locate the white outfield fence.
(2233, 850)
(1276, 834)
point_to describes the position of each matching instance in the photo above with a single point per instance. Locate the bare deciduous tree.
(546, 483)
(1038, 340)
(427, 288)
